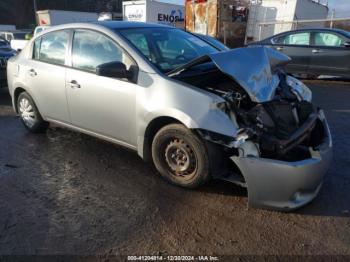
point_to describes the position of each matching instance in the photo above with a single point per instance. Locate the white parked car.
(16, 38)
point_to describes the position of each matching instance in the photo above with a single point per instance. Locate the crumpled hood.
(253, 68)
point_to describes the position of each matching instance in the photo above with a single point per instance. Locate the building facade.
(281, 13)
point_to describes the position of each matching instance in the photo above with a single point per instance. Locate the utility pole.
(35, 10)
(332, 18)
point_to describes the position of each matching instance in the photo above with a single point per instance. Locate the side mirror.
(347, 44)
(114, 69)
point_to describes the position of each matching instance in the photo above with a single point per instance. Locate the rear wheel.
(180, 156)
(29, 114)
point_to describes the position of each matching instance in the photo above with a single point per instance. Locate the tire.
(180, 156)
(29, 113)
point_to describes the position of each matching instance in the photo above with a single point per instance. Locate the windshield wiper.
(194, 62)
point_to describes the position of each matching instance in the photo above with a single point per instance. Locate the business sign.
(136, 13)
(173, 17)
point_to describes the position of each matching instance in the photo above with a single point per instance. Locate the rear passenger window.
(293, 39)
(52, 48)
(91, 49)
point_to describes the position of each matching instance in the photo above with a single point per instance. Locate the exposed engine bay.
(281, 147)
(283, 128)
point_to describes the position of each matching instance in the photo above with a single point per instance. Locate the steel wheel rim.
(27, 112)
(180, 158)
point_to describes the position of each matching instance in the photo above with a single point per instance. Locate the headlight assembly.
(299, 89)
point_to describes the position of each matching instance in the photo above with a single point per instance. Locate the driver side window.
(91, 49)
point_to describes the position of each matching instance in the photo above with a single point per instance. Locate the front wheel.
(29, 114)
(180, 156)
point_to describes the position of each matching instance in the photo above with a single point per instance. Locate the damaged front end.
(284, 146)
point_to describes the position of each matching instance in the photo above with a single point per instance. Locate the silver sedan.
(197, 112)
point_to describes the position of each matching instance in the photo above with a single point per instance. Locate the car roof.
(340, 31)
(111, 25)
(127, 24)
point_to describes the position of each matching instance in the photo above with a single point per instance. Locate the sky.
(175, 1)
(342, 7)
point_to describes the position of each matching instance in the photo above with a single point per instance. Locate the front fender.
(189, 105)
(213, 120)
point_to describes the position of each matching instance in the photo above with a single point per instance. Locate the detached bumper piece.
(284, 185)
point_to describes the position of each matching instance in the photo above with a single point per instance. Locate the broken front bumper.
(275, 184)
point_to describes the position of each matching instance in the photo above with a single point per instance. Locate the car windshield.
(167, 48)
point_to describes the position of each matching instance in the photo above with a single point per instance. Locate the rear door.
(297, 47)
(329, 54)
(46, 72)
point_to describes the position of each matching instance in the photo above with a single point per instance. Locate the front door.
(297, 47)
(98, 104)
(330, 56)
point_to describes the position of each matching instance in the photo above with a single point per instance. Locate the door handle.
(32, 72)
(316, 51)
(279, 48)
(74, 84)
